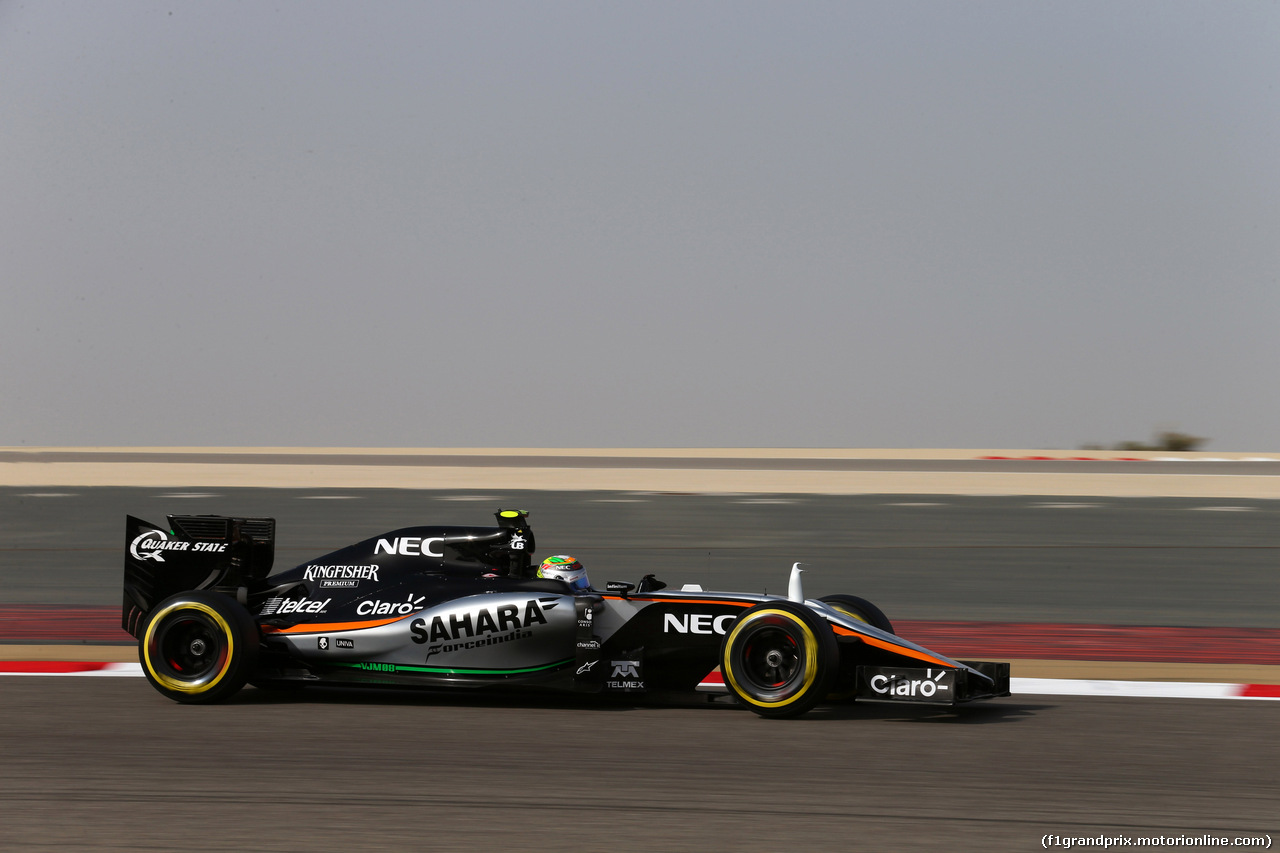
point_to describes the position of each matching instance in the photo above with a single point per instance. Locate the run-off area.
(108, 764)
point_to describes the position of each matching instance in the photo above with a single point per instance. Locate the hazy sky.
(973, 224)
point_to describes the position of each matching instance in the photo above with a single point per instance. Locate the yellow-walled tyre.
(860, 609)
(198, 647)
(779, 659)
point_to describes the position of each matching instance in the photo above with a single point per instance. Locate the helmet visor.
(575, 577)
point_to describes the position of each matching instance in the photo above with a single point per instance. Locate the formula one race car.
(449, 607)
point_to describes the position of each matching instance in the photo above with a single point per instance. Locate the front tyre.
(860, 609)
(779, 659)
(198, 647)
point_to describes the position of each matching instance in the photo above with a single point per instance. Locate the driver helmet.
(565, 568)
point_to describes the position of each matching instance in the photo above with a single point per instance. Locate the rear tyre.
(198, 647)
(860, 609)
(779, 659)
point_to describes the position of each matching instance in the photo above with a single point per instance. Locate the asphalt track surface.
(1121, 561)
(108, 764)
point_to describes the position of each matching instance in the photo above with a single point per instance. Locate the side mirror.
(649, 583)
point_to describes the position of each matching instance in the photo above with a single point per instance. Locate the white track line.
(1223, 508)
(1139, 689)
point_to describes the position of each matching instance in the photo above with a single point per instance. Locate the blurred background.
(562, 224)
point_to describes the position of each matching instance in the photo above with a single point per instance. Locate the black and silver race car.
(446, 607)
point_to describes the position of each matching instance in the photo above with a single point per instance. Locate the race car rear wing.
(213, 552)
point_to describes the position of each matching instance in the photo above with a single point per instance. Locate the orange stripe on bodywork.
(678, 600)
(329, 627)
(890, 647)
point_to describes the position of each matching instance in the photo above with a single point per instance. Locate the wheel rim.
(188, 647)
(772, 659)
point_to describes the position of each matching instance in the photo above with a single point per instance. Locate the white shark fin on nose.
(795, 589)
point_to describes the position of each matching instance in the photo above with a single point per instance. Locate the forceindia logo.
(486, 626)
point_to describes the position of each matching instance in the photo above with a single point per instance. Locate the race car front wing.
(933, 685)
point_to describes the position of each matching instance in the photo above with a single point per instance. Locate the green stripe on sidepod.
(443, 670)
